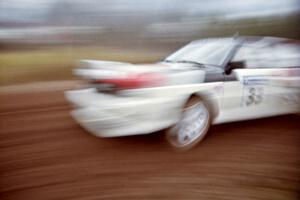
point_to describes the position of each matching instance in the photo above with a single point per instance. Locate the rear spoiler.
(99, 64)
(98, 69)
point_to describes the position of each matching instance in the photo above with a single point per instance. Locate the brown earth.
(44, 154)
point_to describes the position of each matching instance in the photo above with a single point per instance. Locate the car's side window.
(275, 56)
(248, 56)
(280, 56)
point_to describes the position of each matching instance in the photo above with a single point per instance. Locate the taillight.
(135, 80)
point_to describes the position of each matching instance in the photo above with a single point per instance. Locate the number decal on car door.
(254, 95)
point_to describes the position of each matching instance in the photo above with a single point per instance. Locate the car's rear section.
(115, 100)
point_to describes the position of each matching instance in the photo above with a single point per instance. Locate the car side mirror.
(234, 65)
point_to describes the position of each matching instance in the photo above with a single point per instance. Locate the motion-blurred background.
(42, 39)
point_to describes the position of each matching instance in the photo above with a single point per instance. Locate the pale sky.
(14, 10)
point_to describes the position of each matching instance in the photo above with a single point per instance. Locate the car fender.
(211, 93)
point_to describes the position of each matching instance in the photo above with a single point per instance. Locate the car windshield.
(203, 52)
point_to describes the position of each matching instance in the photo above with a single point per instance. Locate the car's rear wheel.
(192, 126)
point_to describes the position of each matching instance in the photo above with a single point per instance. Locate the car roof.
(253, 41)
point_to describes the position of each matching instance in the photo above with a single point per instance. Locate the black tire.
(193, 125)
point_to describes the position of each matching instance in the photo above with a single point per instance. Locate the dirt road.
(44, 154)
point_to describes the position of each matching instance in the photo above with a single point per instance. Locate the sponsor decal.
(254, 80)
(253, 92)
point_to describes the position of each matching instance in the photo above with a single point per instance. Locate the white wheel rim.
(190, 127)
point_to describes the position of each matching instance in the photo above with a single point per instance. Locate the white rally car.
(208, 81)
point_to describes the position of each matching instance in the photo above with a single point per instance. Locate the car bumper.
(108, 115)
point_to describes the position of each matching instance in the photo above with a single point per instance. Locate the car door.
(279, 64)
(267, 84)
(244, 91)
